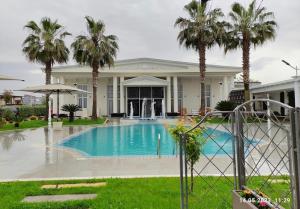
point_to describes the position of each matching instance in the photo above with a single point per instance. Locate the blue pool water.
(139, 139)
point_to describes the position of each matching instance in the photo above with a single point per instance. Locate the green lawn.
(24, 125)
(147, 193)
(41, 123)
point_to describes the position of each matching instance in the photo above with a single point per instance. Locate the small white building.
(286, 91)
(132, 80)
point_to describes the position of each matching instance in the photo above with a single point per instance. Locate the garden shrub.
(33, 117)
(8, 114)
(225, 105)
(27, 111)
(2, 121)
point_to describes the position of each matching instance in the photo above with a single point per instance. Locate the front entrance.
(137, 95)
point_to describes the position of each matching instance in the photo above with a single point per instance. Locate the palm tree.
(249, 26)
(96, 50)
(71, 108)
(45, 45)
(201, 31)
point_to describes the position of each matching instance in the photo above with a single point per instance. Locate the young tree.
(7, 96)
(97, 50)
(194, 144)
(45, 45)
(201, 31)
(251, 26)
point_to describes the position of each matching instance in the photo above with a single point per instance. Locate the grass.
(146, 193)
(42, 123)
(221, 120)
(24, 125)
(212, 120)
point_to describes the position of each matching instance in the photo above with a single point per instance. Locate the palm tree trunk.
(95, 82)
(246, 66)
(48, 81)
(202, 65)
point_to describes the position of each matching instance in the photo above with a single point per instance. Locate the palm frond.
(96, 49)
(45, 43)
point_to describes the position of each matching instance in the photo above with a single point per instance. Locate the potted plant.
(71, 108)
(250, 199)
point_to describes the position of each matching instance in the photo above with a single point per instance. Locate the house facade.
(174, 86)
(287, 92)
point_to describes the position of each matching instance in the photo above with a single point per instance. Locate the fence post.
(240, 149)
(233, 148)
(295, 131)
(186, 173)
(182, 200)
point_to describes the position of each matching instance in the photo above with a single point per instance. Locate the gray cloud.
(145, 29)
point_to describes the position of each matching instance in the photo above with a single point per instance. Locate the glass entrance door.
(136, 95)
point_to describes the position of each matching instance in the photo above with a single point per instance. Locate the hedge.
(25, 112)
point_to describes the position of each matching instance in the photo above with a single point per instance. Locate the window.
(207, 95)
(82, 98)
(157, 92)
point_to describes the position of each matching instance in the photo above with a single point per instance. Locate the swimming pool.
(138, 140)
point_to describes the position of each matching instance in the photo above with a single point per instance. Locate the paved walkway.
(33, 155)
(59, 198)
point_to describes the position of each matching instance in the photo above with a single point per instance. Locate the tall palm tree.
(97, 50)
(201, 31)
(45, 45)
(251, 26)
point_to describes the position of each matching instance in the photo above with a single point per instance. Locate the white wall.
(72, 99)
(191, 94)
(216, 92)
(102, 96)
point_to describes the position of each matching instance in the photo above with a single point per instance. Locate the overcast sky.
(145, 29)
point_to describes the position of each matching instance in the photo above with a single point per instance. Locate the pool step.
(76, 185)
(58, 198)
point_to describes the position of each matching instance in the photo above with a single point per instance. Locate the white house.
(132, 80)
(287, 91)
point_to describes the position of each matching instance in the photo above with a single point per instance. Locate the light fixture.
(288, 64)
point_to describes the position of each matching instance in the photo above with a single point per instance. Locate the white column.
(61, 96)
(286, 101)
(115, 94)
(269, 115)
(169, 94)
(175, 89)
(297, 93)
(121, 95)
(225, 88)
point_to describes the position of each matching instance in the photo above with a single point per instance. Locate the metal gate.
(246, 148)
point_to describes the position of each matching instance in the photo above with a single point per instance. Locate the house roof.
(149, 65)
(275, 86)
